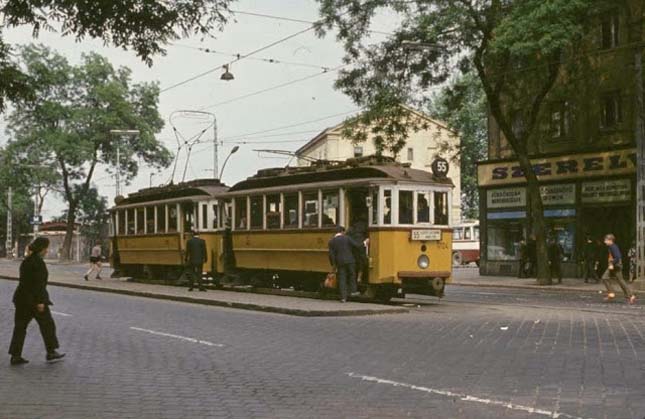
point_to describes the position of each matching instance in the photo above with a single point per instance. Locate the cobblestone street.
(480, 353)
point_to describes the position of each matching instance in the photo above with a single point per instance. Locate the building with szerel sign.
(584, 156)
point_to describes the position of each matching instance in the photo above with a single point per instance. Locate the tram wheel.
(380, 293)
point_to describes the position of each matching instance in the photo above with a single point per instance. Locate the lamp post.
(122, 133)
(233, 151)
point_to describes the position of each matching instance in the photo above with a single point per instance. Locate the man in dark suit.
(195, 259)
(341, 256)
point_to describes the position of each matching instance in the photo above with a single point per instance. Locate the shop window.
(205, 216)
(441, 208)
(387, 207)
(610, 30)
(310, 209)
(257, 215)
(406, 207)
(374, 197)
(173, 219)
(423, 207)
(121, 223)
(141, 221)
(563, 231)
(215, 209)
(503, 240)
(161, 218)
(610, 110)
(291, 210)
(241, 223)
(273, 211)
(358, 151)
(560, 120)
(331, 209)
(150, 220)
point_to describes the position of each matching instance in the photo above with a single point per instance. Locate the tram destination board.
(425, 235)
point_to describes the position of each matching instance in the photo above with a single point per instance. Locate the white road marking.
(466, 397)
(170, 335)
(58, 313)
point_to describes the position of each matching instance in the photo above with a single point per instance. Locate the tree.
(462, 105)
(141, 25)
(92, 215)
(517, 48)
(67, 124)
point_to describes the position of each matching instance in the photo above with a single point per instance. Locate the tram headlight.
(423, 262)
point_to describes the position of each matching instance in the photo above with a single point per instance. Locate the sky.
(238, 117)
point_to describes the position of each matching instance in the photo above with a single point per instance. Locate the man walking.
(341, 256)
(95, 263)
(195, 259)
(614, 271)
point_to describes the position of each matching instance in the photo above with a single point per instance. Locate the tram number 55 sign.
(440, 167)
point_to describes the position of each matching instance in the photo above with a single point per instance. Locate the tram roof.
(197, 187)
(352, 169)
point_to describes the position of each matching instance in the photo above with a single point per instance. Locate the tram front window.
(423, 208)
(374, 196)
(310, 209)
(441, 208)
(387, 206)
(330, 208)
(215, 217)
(405, 207)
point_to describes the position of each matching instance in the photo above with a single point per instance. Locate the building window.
(358, 151)
(560, 120)
(610, 110)
(257, 215)
(331, 209)
(240, 214)
(161, 218)
(406, 208)
(273, 211)
(410, 154)
(441, 208)
(291, 210)
(610, 31)
(310, 209)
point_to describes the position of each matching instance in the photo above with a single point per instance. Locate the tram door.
(358, 210)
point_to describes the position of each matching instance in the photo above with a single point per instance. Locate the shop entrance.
(617, 220)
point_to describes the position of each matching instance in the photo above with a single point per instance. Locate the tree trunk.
(66, 252)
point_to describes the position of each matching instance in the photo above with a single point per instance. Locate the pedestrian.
(358, 233)
(590, 252)
(31, 301)
(195, 258)
(554, 252)
(341, 257)
(522, 272)
(631, 254)
(95, 263)
(614, 271)
(531, 248)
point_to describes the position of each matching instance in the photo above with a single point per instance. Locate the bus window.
(240, 214)
(476, 233)
(387, 207)
(331, 208)
(150, 220)
(467, 233)
(257, 215)
(423, 208)
(374, 196)
(130, 220)
(441, 208)
(406, 207)
(273, 211)
(161, 218)
(457, 234)
(291, 210)
(173, 219)
(310, 209)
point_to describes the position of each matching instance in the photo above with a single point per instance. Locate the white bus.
(465, 243)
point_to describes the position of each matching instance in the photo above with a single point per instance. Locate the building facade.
(584, 156)
(422, 148)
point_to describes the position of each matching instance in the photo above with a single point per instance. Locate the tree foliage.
(140, 25)
(67, 124)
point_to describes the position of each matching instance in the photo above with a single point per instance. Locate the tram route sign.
(440, 167)
(425, 235)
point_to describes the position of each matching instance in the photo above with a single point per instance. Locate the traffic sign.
(440, 167)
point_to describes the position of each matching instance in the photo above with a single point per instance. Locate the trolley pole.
(9, 243)
(215, 149)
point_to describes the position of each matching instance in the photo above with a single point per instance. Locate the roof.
(323, 134)
(352, 169)
(198, 187)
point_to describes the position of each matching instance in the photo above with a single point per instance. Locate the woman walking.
(32, 302)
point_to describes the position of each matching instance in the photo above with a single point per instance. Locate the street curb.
(549, 288)
(221, 303)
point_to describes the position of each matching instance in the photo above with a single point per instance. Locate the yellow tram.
(272, 229)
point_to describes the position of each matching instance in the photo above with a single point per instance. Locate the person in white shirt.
(95, 263)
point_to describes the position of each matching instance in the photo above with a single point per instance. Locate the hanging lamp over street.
(227, 75)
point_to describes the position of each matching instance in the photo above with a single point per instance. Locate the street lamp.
(121, 133)
(233, 151)
(227, 75)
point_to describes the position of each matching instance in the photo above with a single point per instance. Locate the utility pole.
(215, 146)
(36, 219)
(9, 243)
(121, 134)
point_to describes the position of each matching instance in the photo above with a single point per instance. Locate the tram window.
(188, 212)
(240, 214)
(205, 216)
(161, 218)
(140, 221)
(150, 220)
(441, 208)
(172, 219)
(310, 209)
(215, 216)
(387, 207)
(331, 208)
(291, 210)
(423, 207)
(121, 230)
(458, 234)
(406, 207)
(374, 206)
(130, 215)
(273, 211)
(256, 212)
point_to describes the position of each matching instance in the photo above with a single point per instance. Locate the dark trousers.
(194, 272)
(555, 270)
(612, 276)
(590, 270)
(346, 279)
(24, 315)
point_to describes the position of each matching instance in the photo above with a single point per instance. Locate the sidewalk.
(471, 277)
(241, 300)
